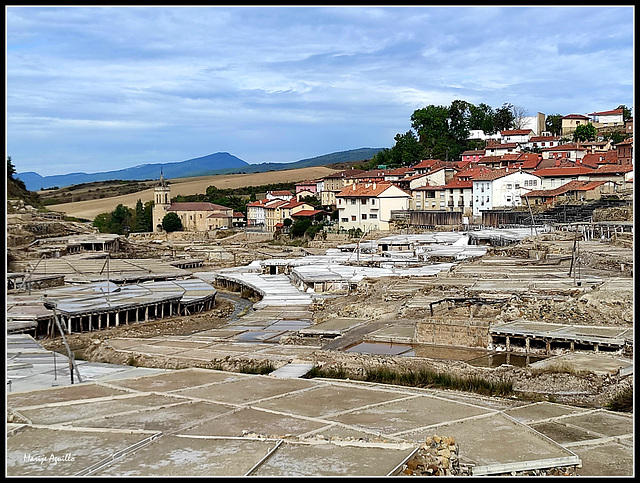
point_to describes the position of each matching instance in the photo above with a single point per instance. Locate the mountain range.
(212, 164)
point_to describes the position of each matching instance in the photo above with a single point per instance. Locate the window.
(373, 216)
(353, 201)
(353, 217)
(364, 216)
(344, 220)
(373, 201)
(363, 201)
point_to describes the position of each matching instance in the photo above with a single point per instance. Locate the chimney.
(354, 186)
(374, 185)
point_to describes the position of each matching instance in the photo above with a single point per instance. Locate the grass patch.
(264, 368)
(622, 401)
(422, 378)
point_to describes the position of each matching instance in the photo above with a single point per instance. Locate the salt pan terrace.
(99, 305)
(342, 268)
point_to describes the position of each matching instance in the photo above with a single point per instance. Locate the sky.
(93, 89)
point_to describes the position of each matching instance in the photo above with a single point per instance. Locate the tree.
(300, 226)
(519, 115)
(406, 152)
(171, 222)
(585, 132)
(143, 217)
(503, 118)
(11, 170)
(553, 124)
(432, 125)
(481, 118)
(626, 112)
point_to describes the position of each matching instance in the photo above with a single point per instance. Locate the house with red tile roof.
(280, 195)
(573, 190)
(556, 176)
(425, 166)
(568, 150)
(621, 174)
(502, 188)
(611, 118)
(499, 149)
(368, 206)
(273, 214)
(429, 198)
(458, 195)
(624, 151)
(517, 136)
(307, 185)
(255, 213)
(572, 121)
(238, 219)
(333, 184)
(473, 155)
(542, 142)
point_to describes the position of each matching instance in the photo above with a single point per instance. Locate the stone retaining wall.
(455, 332)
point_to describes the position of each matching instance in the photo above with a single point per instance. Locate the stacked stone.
(437, 456)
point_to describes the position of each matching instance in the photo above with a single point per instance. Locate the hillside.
(89, 209)
(212, 164)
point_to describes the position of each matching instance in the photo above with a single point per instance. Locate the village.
(509, 271)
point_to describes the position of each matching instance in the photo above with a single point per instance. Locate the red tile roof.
(304, 213)
(458, 184)
(426, 163)
(613, 169)
(575, 116)
(604, 113)
(563, 171)
(566, 147)
(575, 185)
(369, 190)
(197, 206)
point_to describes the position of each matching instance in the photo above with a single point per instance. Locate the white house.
(502, 188)
(255, 213)
(519, 136)
(608, 118)
(368, 206)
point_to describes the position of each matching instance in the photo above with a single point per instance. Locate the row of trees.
(124, 220)
(442, 132)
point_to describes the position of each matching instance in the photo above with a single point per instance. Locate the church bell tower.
(161, 202)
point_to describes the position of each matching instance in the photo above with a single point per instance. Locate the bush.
(622, 401)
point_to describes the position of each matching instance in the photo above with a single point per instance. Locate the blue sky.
(93, 89)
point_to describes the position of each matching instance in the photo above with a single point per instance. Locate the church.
(195, 216)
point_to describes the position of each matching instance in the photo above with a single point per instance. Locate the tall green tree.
(143, 217)
(432, 125)
(626, 112)
(11, 170)
(553, 124)
(585, 132)
(481, 117)
(406, 152)
(504, 118)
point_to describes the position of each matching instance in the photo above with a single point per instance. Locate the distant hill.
(218, 163)
(193, 167)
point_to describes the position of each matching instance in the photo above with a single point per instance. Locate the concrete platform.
(198, 422)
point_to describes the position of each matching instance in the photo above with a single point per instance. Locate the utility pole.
(72, 362)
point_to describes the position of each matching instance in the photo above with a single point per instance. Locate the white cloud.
(264, 83)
